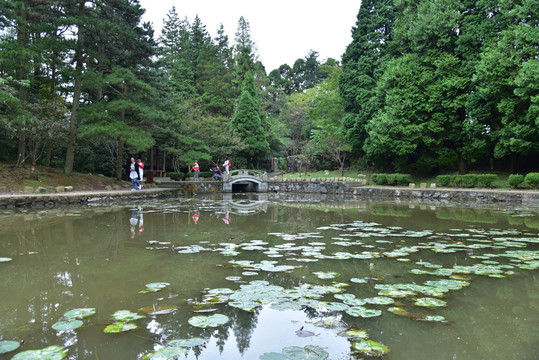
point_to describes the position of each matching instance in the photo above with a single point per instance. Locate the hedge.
(486, 180)
(391, 179)
(515, 180)
(532, 179)
(443, 180)
(469, 180)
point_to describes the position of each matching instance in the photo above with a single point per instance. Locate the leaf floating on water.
(356, 334)
(370, 348)
(54, 352)
(67, 325)
(380, 300)
(159, 309)
(80, 313)
(126, 315)
(430, 302)
(119, 327)
(196, 341)
(272, 356)
(309, 352)
(166, 353)
(5, 259)
(359, 280)
(8, 346)
(154, 287)
(360, 311)
(208, 321)
(326, 275)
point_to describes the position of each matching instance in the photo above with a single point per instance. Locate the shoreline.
(348, 190)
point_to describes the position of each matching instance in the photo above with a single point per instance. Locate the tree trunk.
(72, 138)
(120, 159)
(463, 168)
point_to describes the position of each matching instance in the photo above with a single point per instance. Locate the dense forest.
(425, 86)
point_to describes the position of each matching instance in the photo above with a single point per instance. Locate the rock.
(433, 186)
(118, 187)
(411, 185)
(59, 189)
(28, 190)
(326, 172)
(108, 188)
(41, 189)
(362, 176)
(423, 185)
(68, 188)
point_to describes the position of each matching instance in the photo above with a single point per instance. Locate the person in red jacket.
(196, 168)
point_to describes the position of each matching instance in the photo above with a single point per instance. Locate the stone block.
(41, 189)
(433, 186)
(28, 189)
(108, 188)
(68, 188)
(59, 189)
(423, 185)
(411, 185)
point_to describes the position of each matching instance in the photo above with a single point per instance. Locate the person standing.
(196, 168)
(134, 174)
(227, 165)
(141, 171)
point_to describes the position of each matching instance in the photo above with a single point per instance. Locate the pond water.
(252, 277)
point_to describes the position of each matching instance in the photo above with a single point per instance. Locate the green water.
(101, 257)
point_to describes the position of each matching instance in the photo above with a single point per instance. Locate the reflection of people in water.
(136, 219)
(226, 219)
(196, 216)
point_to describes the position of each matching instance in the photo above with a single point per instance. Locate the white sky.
(283, 30)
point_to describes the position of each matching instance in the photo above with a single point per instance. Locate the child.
(196, 168)
(140, 170)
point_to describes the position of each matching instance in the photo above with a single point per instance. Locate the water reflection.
(71, 258)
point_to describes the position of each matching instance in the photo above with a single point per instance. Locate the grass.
(15, 178)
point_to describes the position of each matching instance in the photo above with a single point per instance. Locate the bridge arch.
(244, 180)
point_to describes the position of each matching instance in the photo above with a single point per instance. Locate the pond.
(258, 277)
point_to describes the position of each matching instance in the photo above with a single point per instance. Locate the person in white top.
(141, 171)
(227, 165)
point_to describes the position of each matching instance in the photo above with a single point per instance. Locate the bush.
(515, 180)
(443, 180)
(175, 175)
(456, 180)
(404, 179)
(469, 180)
(486, 180)
(391, 179)
(532, 179)
(379, 179)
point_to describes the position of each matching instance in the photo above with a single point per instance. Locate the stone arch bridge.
(245, 180)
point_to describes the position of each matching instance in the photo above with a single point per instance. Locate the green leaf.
(80, 313)
(208, 321)
(430, 302)
(67, 325)
(196, 341)
(326, 275)
(159, 309)
(54, 352)
(8, 345)
(154, 287)
(119, 327)
(166, 353)
(357, 334)
(370, 348)
(309, 352)
(126, 315)
(5, 259)
(360, 311)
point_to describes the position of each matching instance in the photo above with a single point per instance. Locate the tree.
(244, 50)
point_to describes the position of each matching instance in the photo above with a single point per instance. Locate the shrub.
(443, 180)
(456, 180)
(515, 180)
(404, 179)
(379, 179)
(532, 179)
(175, 175)
(469, 180)
(391, 179)
(486, 180)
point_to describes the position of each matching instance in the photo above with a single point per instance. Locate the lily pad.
(53, 352)
(326, 275)
(208, 321)
(126, 315)
(166, 353)
(119, 327)
(67, 325)
(80, 313)
(154, 287)
(5, 259)
(370, 348)
(380, 300)
(360, 311)
(359, 280)
(309, 352)
(272, 356)
(8, 345)
(430, 302)
(159, 309)
(356, 334)
(196, 341)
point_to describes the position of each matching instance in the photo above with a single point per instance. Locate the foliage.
(443, 180)
(515, 180)
(532, 179)
(486, 180)
(469, 180)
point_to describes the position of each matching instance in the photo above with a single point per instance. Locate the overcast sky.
(283, 30)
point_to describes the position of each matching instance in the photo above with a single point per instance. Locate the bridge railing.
(240, 173)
